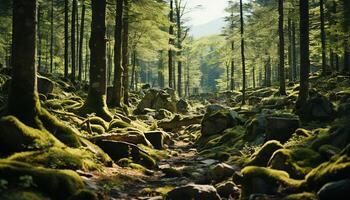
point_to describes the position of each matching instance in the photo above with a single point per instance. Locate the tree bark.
(73, 43)
(171, 42)
(161, 70)
(179, 46)
(125, 52)
(66, 37)
(304, 54)
(118, 68)
(23, 97)
(242, 52)
(39, 38)
(96, 100)
(294, 52)
(290, 51)
(133, 70)
(282, 77)
(51, 38)
(323, 39)
(232, 82)
(82, 24)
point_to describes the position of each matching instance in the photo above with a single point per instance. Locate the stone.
(217, 121)
(133, 137)
(156, 138)
(214, 107)
(228, 189)
(221, 172)
(262, 156)
(343, 109)
(281, 128)
(182, 106)
(338, 190)
(163, 114)
(255, 127)
(194, 192)
(156, 99)
(45, 85)
(317, 108)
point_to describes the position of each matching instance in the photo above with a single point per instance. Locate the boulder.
(221, 172)
(343, 109)
(263, 155)
(228, 189)
(194, 192)
(118, 150)
(255, 127)
(45, 85)
(317, 108)
(182, 106)
(156, 138)
(281, 128)
(217, 121)
(214, 107)
(163, 114)
(339, 190)
(156, 99)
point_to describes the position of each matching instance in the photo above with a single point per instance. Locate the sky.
(209, 11)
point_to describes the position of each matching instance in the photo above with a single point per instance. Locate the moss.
(124, 162)
(22, 195)
(98, 153)
(263, 155)
(84, 194)
(116, 123)
(53, 104)
(266, 181)
(336, 169)
(95, 128)
(328, 151)
(99, 121)
(299, 196)
(171, 172)
(303, 132)
(64, 133)
(58, 158)
(16, 137)
(57, 184)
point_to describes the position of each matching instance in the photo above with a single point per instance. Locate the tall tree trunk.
(125, 52)
(161, 70)
(73, 44)
(294, 52)
(133, 70)
(242, 52)
(290, 52)
(346, 58)
(96, 100)
(23, 97)
(171, 42)
(268, 72)
(51, 38)
(179, 46)
(304, 54)
(82, 24)
(66, 37)
(323, 38)
(253, 70)
(86, 59)
(39, 38)
(118, 68)
(232, 85)
(282, 77)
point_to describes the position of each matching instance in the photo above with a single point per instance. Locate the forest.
(117, 99)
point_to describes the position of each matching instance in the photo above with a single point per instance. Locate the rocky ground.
(204, 147)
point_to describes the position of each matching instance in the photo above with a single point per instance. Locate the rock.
(171, 172)
(217, 121)
(281, 128)
(214, 108)
(255, 127)
(156, 138)
(182, 106)
(45, 85)
(263, 197)
(263, 155)
(163, 114)
(133, 137)
(317, 108)
(178, 122)
(228, 189)
(338, 190)
(343, 109)
(221, 172)
(156, 99)
(118, 150)
(194, 192)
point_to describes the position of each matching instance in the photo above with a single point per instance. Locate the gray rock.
(194, 192)
(221, 172)
(182, 106)
(228, 189)
(281, 128)
(163, 114)
(338, 190)
(214, 108)
(45, 85)
(317, 108)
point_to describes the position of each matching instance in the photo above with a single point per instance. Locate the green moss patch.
(263, 155)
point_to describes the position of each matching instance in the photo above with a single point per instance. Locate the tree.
(73, 51)
(125, 52)
(171, 43)
(242, 52)
(66, 37)
(118, 68)
(51, 37)
(304, 54)
(96, 99)
(81, 42)
(323, 38)
(23, 97)
(282, 78)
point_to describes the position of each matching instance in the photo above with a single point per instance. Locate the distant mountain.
(211, 28)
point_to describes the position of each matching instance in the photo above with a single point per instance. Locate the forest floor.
(207, 146)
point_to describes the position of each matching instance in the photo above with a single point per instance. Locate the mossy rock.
(59, 158)
(116, 123)
(171, 172)
(265, 181)
(17, 137)
(338, 168)
(56, 184)
(337, 136)
(98, 121)
(84, 194)
(328, 151)
(156, 138)
(297, 162)
(216, 122)
(263, 155)
(118, 150)
(61, 131)
(301, 196)
(22, 195)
